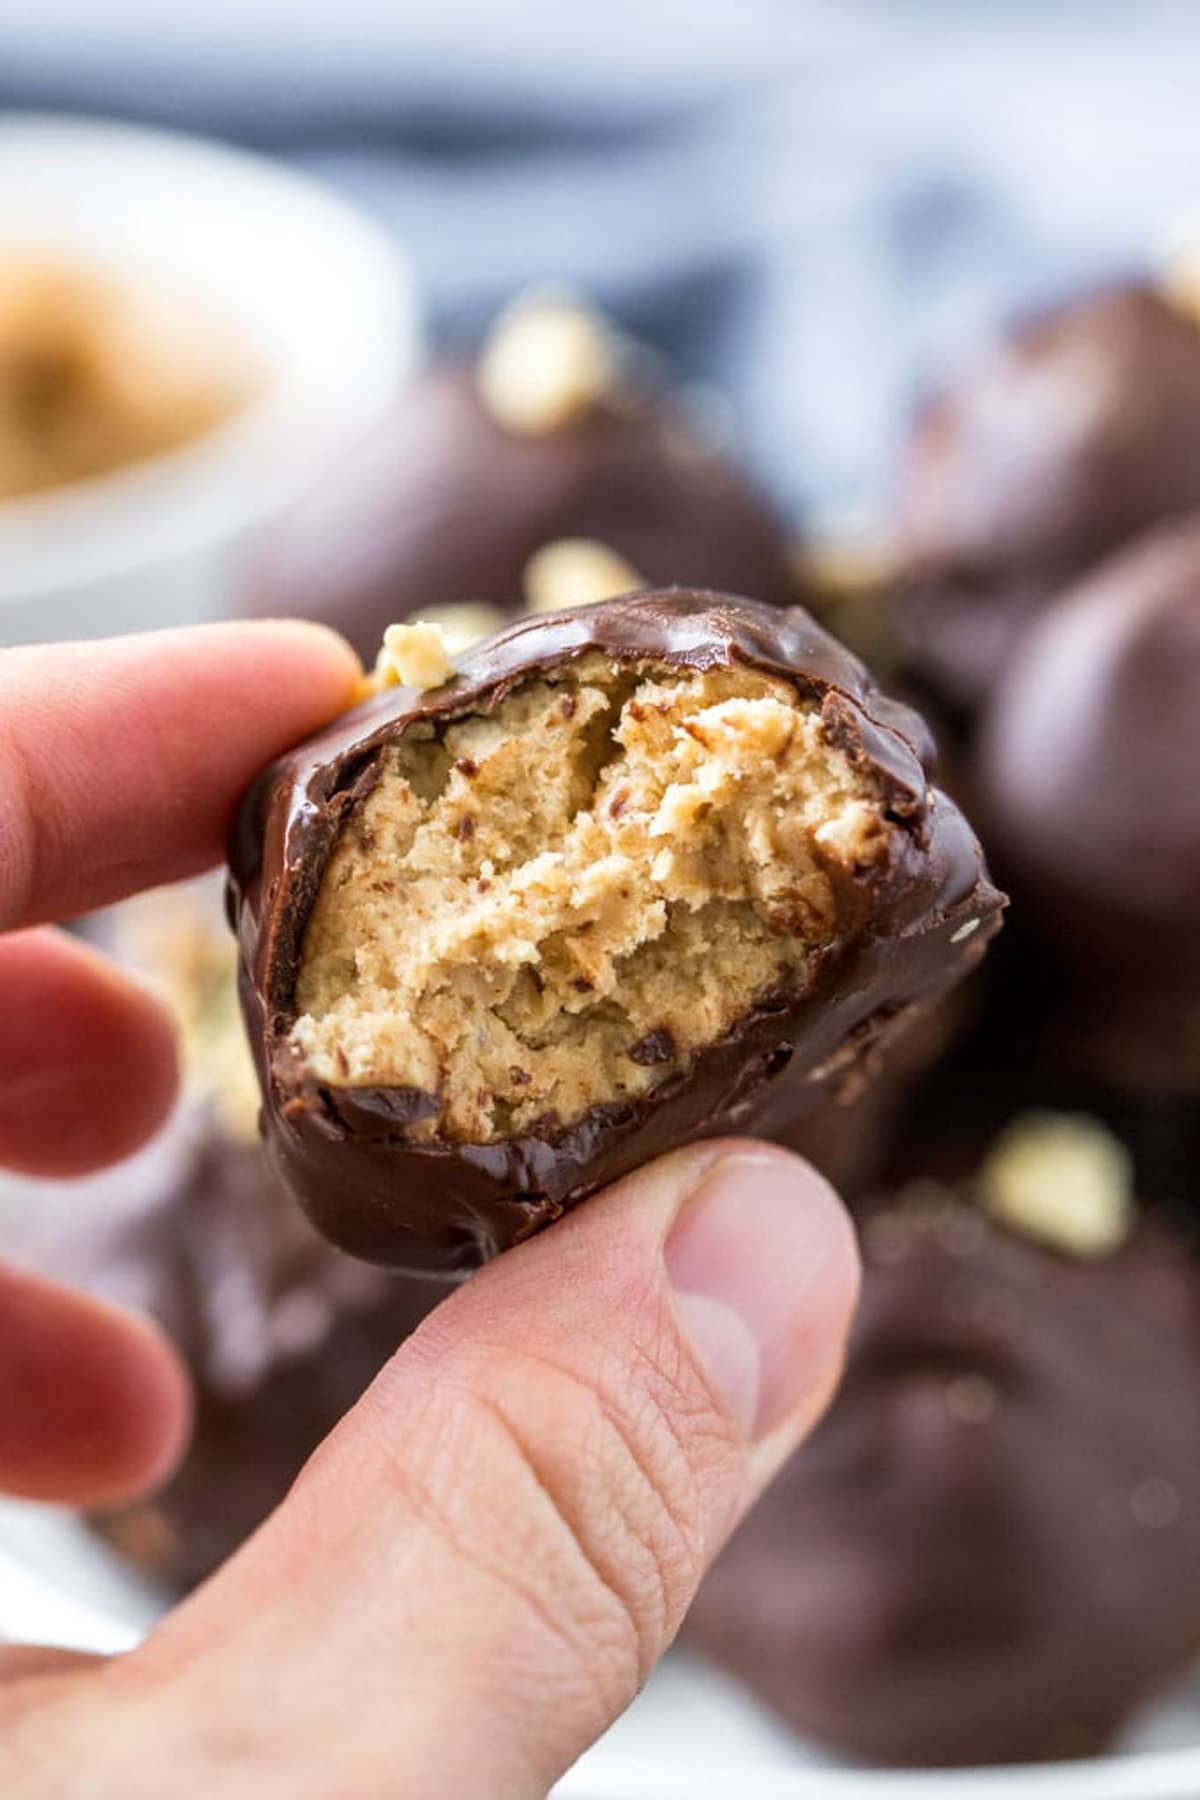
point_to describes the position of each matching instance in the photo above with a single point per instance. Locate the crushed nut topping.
(1062, 1179)
(465, 623)
(576, 572)
(1179, 277)
(548, 361)
(414, 656)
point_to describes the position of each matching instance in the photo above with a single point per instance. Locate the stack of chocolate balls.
(990, 1550)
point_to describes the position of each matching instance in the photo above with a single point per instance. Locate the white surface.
(319, 292)
(691, 1736)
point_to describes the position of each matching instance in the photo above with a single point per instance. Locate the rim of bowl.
(208, 492)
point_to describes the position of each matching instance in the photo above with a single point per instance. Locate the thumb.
(479, 1568)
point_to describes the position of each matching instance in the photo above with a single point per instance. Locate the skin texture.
(99, 1069)
(473, 1575)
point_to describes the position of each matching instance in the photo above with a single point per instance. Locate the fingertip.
(179, 722)
(826, 1221)
(313, 652)
(157, 1427)
(89, 1059)
(98, 1402)
(763, 1263)
(755, 1249)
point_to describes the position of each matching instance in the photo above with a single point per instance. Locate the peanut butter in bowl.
(100, 370)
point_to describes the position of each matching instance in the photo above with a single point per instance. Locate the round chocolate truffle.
(1073, 432)
(1087, 770)
(989, 1551)
(639, 873)
(455, 497)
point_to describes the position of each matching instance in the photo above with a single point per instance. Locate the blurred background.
(815, 205)
(241, 369)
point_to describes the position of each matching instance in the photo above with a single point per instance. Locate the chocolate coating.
(1086, 770)
(1075, 431)
(443, 505)
(989, 1550)
(446, 1206)
(855, 1139)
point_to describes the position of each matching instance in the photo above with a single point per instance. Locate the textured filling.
(559, 903)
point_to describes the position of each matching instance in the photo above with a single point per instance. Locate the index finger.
(122, 760)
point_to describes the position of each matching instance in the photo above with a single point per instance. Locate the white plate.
(691, 1736)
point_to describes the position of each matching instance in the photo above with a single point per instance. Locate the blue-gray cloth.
(815, 205)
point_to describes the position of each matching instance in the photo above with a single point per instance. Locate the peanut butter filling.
(557, 904)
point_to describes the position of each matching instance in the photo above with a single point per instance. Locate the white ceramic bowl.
(318, 292)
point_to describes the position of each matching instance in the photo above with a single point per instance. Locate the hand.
(476, 1571)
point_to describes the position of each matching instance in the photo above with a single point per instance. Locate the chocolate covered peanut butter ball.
(1075, 431)
(1087, 768)
(636, 874)
(989, 1550)
(556, 470)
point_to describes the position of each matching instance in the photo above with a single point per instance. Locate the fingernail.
(764, 1268)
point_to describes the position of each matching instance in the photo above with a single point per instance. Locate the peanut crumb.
(548, 361)
(464, 623)
(1062, 1179)
(835, 569)
(576, 572)
(414, 656)
(1179, 279)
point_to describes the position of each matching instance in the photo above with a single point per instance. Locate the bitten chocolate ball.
(1075, 431)
(641, 873)
(1087, 768)
(544, 477)
(989, 1550)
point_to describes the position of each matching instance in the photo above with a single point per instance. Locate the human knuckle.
(613, 1461)
(574, 1497)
